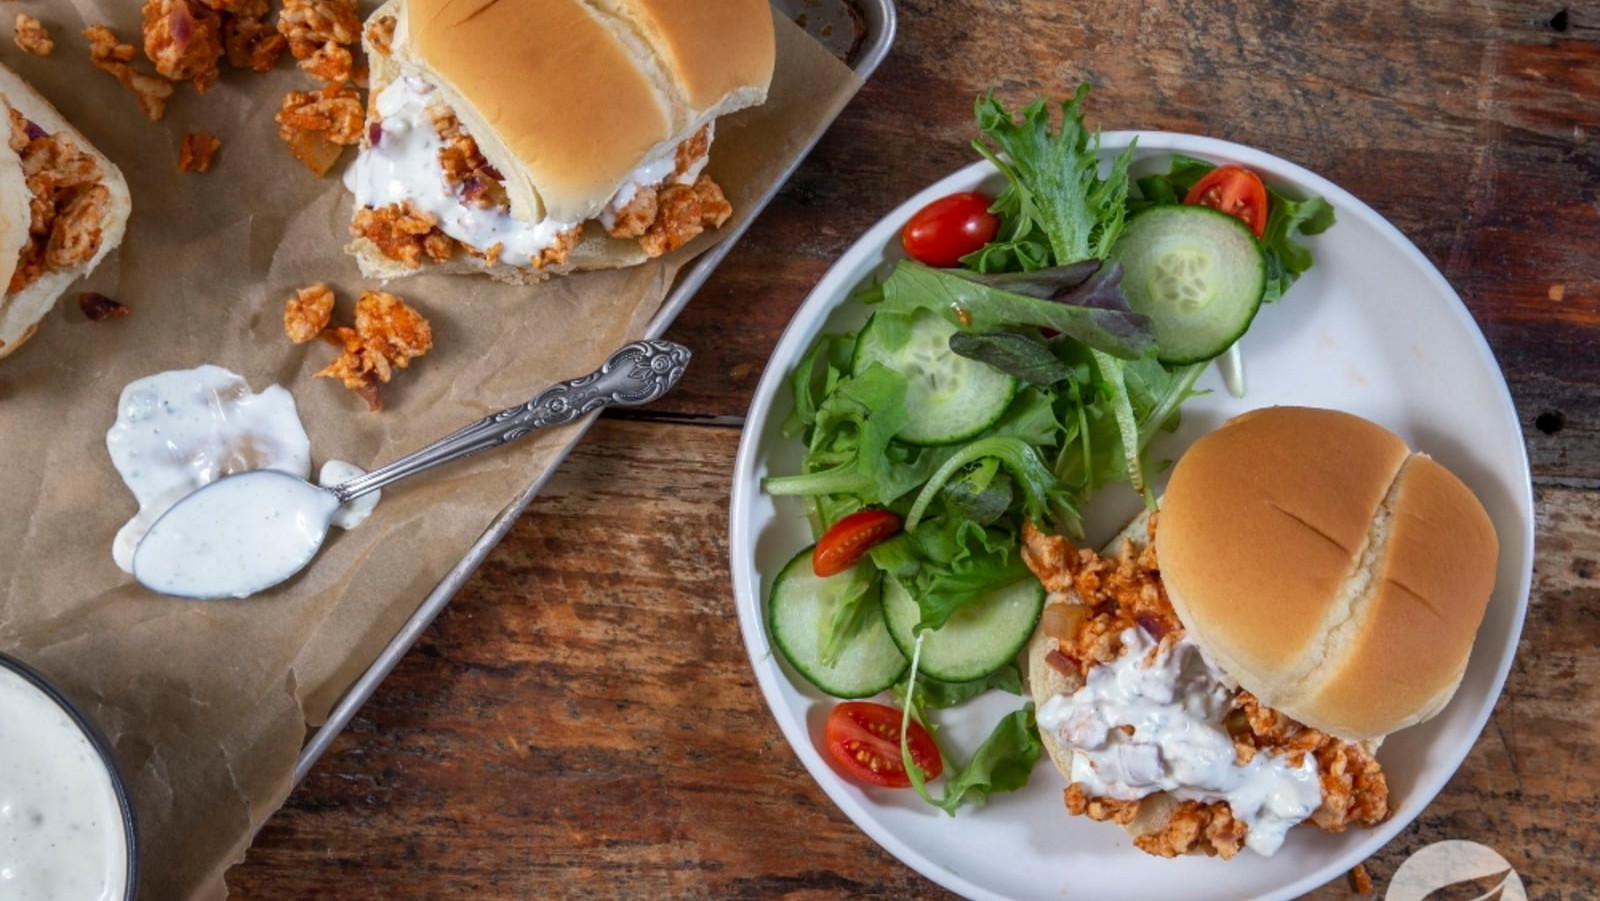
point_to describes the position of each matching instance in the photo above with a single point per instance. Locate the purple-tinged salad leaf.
(1108, 324)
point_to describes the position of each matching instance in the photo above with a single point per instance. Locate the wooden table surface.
(582, 722)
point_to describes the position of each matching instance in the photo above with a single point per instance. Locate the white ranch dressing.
(62, 836)
(661, 170)
(239, 536)
(403, 165)
(356, 512)
(181, 430)
(1176, 704)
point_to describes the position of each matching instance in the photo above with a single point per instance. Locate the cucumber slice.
(949, 397)
(1199, 274)
(977, 639)
(799, 610)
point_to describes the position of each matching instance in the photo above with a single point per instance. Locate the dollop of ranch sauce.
(179, 430)
(1175, 701)
(61, 830)
(356, 512)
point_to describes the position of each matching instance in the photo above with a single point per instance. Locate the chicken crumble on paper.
(388, 335)
(32, 37)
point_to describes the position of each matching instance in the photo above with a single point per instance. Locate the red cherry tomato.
(1236, 191)
(846, 540)
(865, 739)
(949, 228)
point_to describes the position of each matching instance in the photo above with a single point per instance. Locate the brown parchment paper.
(207, 703)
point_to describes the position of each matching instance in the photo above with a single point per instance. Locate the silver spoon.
(249, 531)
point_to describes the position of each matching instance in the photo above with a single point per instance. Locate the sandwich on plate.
(1229, 669)
(528, 138)
(63, 207)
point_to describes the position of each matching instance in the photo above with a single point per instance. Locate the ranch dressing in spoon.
(250, 531)
(182, 430)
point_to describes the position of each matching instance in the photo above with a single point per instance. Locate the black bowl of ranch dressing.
(66, 827)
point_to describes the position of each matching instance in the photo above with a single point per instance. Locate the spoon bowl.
(247, 532)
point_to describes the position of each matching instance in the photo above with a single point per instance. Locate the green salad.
(1022, 357)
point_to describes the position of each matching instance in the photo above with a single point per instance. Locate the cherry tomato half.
(1236, 191)
(846, 540)
(864, 738)
(949, 228)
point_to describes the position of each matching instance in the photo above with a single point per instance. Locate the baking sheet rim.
(881, 19)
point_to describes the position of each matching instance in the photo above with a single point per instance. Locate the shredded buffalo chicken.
(112, 56)
(67, 202)
(196, 151)
(320, 34)
(667, 216)
(32, 36)
(318, 125)
(388, 335)
(184, 40)
(307, 313)
(380, 34)
(252, 43)
(1124, 591)
(403, 233)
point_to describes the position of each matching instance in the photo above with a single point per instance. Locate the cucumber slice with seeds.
(949, 397)
(1199, 274)
(799, 610)
(977, 639)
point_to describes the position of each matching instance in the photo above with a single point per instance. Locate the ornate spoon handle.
(637, 374)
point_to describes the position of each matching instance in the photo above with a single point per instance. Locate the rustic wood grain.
(1474, 127)
(582, 722)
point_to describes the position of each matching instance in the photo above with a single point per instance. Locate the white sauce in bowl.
(62, 835)
(1175, 703)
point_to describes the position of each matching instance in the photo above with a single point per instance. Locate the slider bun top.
(567, 97)
(1332, 572)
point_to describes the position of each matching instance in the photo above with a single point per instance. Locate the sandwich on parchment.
(528, 138)
(1229, 668)
(63, 207)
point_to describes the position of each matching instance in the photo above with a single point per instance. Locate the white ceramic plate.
(1373, 329)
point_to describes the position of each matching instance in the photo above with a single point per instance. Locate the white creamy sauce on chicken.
(654, 172)
(179, 431)
(61, 829)
(1175, 705)
(403, 165)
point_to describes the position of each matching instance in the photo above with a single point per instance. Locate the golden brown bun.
(566, 98)
(597, 250)
(722, 52)
(1332, 573)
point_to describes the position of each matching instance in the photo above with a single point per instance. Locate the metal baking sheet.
(859, 32)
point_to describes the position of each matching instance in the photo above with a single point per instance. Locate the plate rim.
(748, 606)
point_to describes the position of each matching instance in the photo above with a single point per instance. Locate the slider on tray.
(63, 207)
(1309, 586)
(526, 138)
